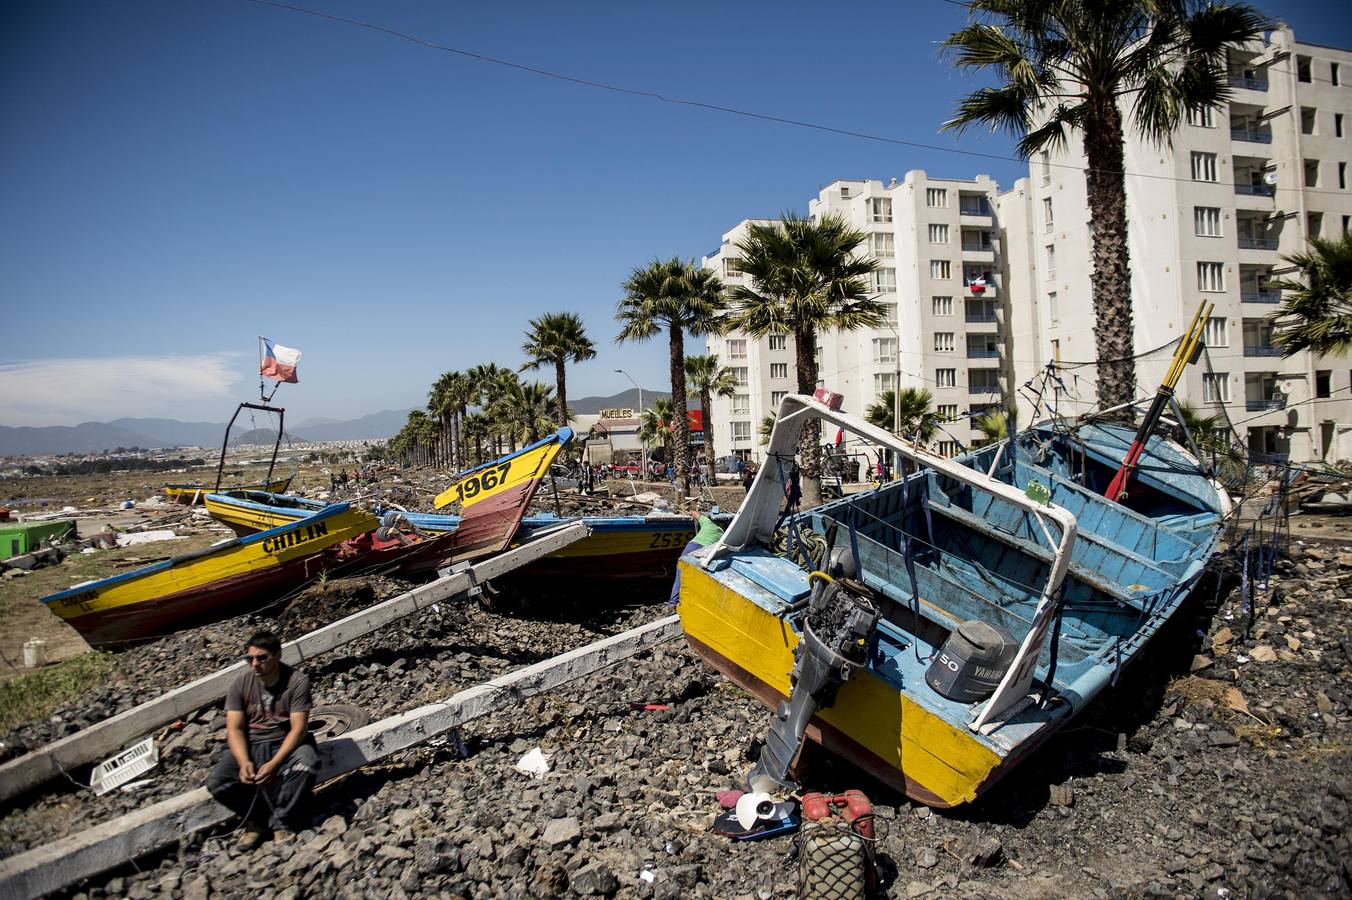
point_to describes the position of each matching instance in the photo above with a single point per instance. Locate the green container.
(18, 538)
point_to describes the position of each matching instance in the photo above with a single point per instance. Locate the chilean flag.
(279, 363)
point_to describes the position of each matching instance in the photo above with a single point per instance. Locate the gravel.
(1230, 781)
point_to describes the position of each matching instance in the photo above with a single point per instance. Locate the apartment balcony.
(1256, 190)
(975, 389)
(982, 318)
(1253, 137)
(1262, 350)
(1248, 84)
(975, 219)
(978, 254)
(973, 353)
(1260, 405)
(1257, 243)
(1260, 296)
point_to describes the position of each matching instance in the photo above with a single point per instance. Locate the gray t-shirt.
(267, 710)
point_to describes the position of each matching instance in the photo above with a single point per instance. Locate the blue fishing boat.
(939, 628)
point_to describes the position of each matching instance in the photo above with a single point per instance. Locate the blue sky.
(179, 177)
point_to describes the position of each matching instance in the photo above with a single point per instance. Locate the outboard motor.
(839, 622)
(971, 662)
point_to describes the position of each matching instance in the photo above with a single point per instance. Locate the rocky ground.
(1218, 767)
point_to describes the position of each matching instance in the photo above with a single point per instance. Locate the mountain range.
(95, 437)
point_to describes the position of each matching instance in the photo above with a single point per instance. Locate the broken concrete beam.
(111, 735)
(62, 863)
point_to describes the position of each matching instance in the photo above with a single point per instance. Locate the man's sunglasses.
(259, 658)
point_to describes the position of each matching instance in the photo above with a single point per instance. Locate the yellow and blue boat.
(955, 619)
(224, 579)
(194, 492)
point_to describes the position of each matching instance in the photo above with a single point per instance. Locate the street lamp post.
(896, 390)
(644, 455)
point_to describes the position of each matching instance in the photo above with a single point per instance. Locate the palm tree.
(477, 427)
(709, 378)
(656, 425)
(555, 339)
(767, 427)
(447, 401)
(678, 297)
(1316, 313)
(994, 426)
(918, 418)
(487, 383)
(525, 412)
(805, 277)
(1077, 66)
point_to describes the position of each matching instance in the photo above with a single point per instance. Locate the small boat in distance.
(195, 492)
(958, 617)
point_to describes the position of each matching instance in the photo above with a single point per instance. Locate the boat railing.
(760, 511)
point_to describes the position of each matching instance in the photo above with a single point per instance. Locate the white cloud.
(70, 391)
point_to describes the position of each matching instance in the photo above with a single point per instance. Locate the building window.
(777, 397)
(948, 448)
(880, 209)
(1051, 260)
(1203, 166)
(884, 350)
(1217, 332)
(1053, 308)
(1216, 387)
(885, 281)
(1337, 124)
(779, 342)
(936, 198)
(884, 381)
(884, 244)
(1056, 350)
(844, 192)
(938, 234)
(1322, 383)
(739, 375)
(940, 269)
(889, 314)
(1202, 117)
(1312, 173)
(741, 404)
(945, 378)
(1347, 224)
(943, 342)
(779, 370)
(1342, 176)
(1314, 224)
(1048, 220)
(737, 348)
(1307, 120)
(1210, 276)
(1046, 168)
(1335, 74)
(1303, 69)
(947, 411)
(741, 431)
(941, 306)
(1206, 221)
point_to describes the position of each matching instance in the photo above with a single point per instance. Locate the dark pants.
(275, 802)
(676, 585)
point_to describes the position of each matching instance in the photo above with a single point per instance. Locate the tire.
(331, 720)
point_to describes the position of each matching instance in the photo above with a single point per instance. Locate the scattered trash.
(136, 760)
(535, 763)
(649, 707)
(647, 875)
(148, 537)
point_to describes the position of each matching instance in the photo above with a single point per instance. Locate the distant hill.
(95, 437)
(590, 406)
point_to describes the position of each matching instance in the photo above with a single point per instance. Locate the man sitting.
(269, 766)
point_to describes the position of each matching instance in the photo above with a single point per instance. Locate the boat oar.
(1187, 348)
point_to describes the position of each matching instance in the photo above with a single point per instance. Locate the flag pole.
(261, 396)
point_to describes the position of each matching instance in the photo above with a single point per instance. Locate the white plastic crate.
(136, 760)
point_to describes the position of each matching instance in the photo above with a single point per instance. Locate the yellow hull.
(244, 520)
(871, 723)
(192, 494)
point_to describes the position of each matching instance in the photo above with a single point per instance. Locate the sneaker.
(283, 835)
(248, 839)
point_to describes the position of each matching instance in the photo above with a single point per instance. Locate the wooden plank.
(62, 863)
(111, 735)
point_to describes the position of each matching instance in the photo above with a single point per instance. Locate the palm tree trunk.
(809, 442)
(681, 425)
(562, 389)
(705, 402)
(1110, 279)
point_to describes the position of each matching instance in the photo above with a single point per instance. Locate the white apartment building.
(940, 277)
(1209, 219)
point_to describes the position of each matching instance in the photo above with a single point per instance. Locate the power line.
(713, 107)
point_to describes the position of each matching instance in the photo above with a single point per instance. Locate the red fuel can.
(852, 806)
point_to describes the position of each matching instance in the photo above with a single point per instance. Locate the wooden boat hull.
(195, 492)
(224, 579)
(949, 546)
